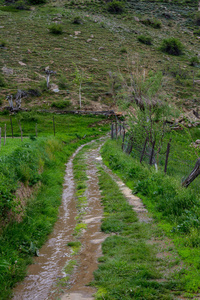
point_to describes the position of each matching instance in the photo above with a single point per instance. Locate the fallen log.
(195, 172)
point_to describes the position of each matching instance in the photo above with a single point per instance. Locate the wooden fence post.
(143, 150)
(152, 153)
(5, 135)
(167, 156)
(54, 131)
(11, 125)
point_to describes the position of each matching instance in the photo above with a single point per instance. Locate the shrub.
(172, 46)
(152, 22)
(115, 7)
(21, 5)
(77, 20)
(61, 104)
(2, 44)
(194, 61)
(35, 2)
(56, 29)
(123, 50)
(2, 83)
(197, 18)
(147, 40)
(197, 32)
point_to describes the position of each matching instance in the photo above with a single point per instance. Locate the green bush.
(21, 5)
(194, 61)
(115, 7)
(197, 18)
(123, 50)
(2, 44)
(197, 32)
(152, 22)
(36, 2)
(147, 40)
(56, 29)
(2, 83)
(61, 104)
(172, 46)
(77, 20)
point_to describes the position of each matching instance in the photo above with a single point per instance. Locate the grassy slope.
(20, 240)
(28, 30)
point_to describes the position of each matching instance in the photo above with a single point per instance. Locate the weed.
(77, 20)
(152, 23)
(147, 40)
(172, 46)
(115, 7)
(194, 61)
(2, 44)
(61, 104)
(56, 29)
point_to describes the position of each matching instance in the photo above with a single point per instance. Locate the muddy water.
(53, 255)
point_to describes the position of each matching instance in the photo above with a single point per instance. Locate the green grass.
(129, 268)
(112, 32)
(176, 209)
(40, 164)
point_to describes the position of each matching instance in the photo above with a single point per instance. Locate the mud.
(43, 276)
(52, 256)
(91, 239)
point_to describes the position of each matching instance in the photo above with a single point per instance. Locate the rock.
(95, 59)
(2, 27)
(89, 40)
(29, 51)
(92, 36)
(7, 71)
(77, 32)
(21, 63)
(197, 142)
(101, 48)
(136, 19)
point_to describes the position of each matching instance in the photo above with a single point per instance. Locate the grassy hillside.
(102, 43)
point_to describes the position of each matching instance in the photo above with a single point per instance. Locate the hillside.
(103, 47)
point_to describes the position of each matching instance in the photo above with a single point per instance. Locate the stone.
(92, 36)
(95, 59)
(7, 71)
(89, 40)
(101, 48)
(197, 142)
(77, 32)
(136, 19)
(21, 63)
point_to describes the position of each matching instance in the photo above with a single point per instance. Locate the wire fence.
(168, 160)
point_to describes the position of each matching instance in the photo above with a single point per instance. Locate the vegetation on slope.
(38, 166)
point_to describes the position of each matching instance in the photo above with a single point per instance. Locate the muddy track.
(43, 275)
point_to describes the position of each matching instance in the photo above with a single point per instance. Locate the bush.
(77, 20)
(147, 40)
(123, 50)
(197, 32)
(197, 18)
(172, 46)
(194, 61)
(56, 29)
(152, 22)
(36, 2)
(21, 5)
(61, 104)
(2, 44)
(115, 7)
(2, 83)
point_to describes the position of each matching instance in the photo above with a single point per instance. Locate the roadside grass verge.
(39, 165)
(176, 209)
(129, 268)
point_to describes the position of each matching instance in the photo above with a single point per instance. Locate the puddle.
(53, 255)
